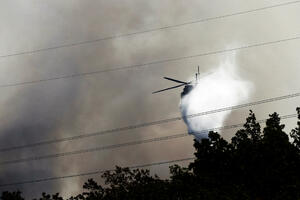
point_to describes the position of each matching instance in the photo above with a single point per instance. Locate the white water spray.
(222, 88)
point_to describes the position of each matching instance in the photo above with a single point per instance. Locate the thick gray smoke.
(69, 107)
(222, 88)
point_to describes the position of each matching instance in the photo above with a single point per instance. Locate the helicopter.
(188, 86)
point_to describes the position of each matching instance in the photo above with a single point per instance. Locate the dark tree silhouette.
(295, 134)
(50, 197)
(11, 195)
(255, 164)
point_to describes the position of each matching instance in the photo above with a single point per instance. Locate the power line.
(93, 173)
(126, 128)
(114, 146)
(127, 67)
(102, 171)
(149, 30)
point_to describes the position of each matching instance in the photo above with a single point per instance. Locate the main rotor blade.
(169, 88)
(177, 81)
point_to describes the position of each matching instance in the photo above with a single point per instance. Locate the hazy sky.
(67, 107)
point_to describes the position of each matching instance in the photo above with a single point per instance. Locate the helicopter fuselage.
(186, 90)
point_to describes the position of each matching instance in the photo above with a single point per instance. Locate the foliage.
(255, 164)
(11, 195)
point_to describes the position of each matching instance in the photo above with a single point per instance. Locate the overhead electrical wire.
(145, 124)
(114, 146)
(96, 172)
(80, 43)
(131, 127)
(93, 172)
(127, 67)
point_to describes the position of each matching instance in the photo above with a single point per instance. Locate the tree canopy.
(255, 164)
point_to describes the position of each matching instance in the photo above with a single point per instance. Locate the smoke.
(69, 107)
(224, 87)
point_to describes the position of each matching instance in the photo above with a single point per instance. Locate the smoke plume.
(222, 88)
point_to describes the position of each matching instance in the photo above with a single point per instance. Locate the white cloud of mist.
(224, 87)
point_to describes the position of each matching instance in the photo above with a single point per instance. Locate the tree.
(295, 134)
(50, 197)
(123, 183)
(250, 134)
(93, 191)
(12, 195)
(255, 164)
